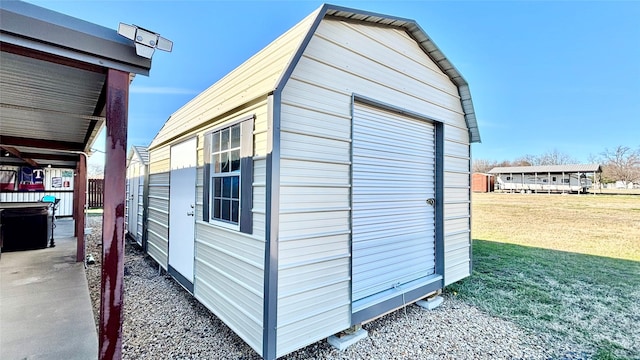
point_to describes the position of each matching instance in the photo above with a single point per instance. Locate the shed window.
(508, 177)
(226, 174)
(566, 181)
(553, 179)
(229, 176)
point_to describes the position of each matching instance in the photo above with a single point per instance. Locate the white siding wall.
(135, 197)
(158, 218)
(229, 267)
(457, 204)
(342, 59)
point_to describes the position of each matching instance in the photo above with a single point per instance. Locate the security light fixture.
(146, 41)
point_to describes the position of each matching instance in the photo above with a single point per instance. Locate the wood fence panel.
(95, 195)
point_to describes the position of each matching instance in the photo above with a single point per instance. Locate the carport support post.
(79, 188)
(112, 285)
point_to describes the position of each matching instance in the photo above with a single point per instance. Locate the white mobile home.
(321, 184)
(577, 178)
(137, 173)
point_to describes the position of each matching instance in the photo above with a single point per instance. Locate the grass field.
(566, 266)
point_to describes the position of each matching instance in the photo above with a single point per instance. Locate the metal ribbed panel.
(135, 197)
(229, 272)
(158, 223)
(64, 97)
(393, 226)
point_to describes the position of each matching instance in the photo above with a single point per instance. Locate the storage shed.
(137, 179)
(481, 182)
(321, 184)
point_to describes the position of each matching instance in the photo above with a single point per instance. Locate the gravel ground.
(162, 321)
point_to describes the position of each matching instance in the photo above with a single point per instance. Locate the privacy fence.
(95, 195)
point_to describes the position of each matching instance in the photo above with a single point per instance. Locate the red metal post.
(111, 302)
(80, 187)
(75, 199)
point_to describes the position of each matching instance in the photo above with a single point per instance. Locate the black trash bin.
(24, 228)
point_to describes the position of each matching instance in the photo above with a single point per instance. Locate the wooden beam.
(59, 157)
(39, 55)
(40, 143)
(112, 285)
(15, 152)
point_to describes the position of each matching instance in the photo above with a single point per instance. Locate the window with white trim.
(228, 176)
(225, 174)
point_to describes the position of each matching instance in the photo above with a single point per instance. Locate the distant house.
(547, 178)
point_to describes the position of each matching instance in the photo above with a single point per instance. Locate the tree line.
(621, 163)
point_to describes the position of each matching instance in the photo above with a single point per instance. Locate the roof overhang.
(53, 70)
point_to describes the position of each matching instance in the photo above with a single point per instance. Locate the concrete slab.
(45, 308)
(430, 303)
(346, 340)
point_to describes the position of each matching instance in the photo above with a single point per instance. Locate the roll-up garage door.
(393, 232)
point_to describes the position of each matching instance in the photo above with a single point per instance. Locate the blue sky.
(543, 75)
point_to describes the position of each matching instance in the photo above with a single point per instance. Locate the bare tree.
(95, 170)
(553, 157)
(621, 164)
(483, 165)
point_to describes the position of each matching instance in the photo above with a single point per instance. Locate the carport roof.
(573, 168)
(53, 70)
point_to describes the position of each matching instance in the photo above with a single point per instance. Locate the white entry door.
(182, 201)
(393, 222)
(132, 201)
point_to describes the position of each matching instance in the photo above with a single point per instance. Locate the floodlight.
(146, 41)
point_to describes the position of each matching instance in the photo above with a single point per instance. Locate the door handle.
(190, 213)
(431, 201)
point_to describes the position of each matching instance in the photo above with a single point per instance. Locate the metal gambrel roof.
(574, 168)
(141, 152)
(282, 56)
(425, 42)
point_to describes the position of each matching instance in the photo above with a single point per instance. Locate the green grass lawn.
(94, 212)
(545, 273)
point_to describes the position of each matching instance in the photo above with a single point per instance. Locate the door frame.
(181, 278)
(132, 211)
(437, 280)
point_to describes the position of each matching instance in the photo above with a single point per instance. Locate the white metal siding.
(159, 160)
(140, 218)
(457, 204)
(158, 218)
(135, 198)
(65, 206)
(313, 266)
(229, 265)
(393, 240)
(65, 194)
(229, 273)
(341, 59)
